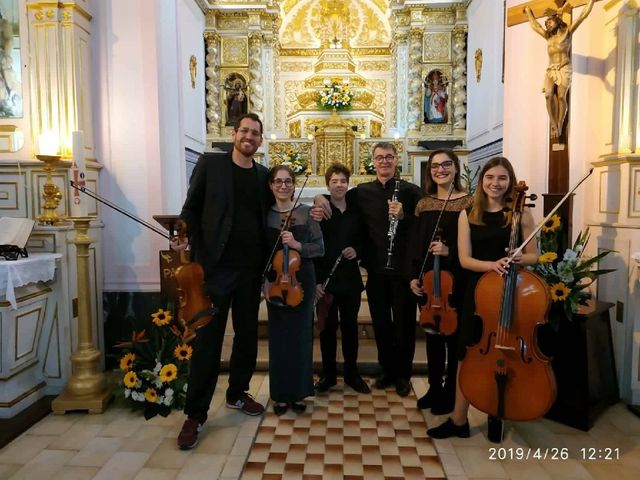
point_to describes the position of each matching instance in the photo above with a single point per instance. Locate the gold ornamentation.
(374, 65)
(316, 52)
(193, 70)
(376, 129)
(294, 129)
(436, 46)
(439, 17)
(38, 15)
(296, 67)
(234, 51)
(478, 63)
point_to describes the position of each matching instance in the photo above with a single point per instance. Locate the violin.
(436, 313)
(195, 308)
(284, 290)
(505, 374)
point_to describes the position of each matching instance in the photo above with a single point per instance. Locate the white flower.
(184, 389)
(168, 401)
(168, 392)
(158, 367)
(137, 396)
(160, 399)
(569, 255)
(157, 382)
(127, 392)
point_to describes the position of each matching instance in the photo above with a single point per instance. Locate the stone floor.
(120, 444)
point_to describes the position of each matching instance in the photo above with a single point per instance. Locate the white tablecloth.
(37, 267)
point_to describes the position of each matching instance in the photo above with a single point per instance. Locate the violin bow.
(106, 202)
(285, 224)
(518, 250)
(435, 230)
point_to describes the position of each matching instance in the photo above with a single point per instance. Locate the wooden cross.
(558, 180)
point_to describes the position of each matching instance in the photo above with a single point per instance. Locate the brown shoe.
(247, 404)
(188, 437)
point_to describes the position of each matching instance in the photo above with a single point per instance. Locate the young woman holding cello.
(439, 209)
(483, 237)
(290, 301)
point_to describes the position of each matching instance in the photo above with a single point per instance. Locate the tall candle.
(79, 201)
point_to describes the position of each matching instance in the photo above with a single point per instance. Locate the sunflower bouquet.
(570, 276)
(156, 366)
(335, 95)
(293, 160)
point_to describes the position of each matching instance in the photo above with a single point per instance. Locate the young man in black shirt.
(339, 302)
(224, 217)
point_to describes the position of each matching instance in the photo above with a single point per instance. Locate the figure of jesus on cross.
(557, 79)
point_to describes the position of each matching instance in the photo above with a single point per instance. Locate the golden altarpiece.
(388, 53)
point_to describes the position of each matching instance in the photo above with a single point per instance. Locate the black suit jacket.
(208, 209)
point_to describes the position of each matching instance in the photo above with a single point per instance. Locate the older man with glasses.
(391, 303)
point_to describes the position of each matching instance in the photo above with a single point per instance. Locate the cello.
(195, 309)
(505, 374)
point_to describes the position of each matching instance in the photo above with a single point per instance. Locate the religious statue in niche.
(557, 78)
(435, 97)
(10, 76)
(237, 105)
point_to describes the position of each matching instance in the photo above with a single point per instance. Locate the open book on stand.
(14, 234)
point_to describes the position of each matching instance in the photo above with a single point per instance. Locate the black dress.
(427, 213)
(488, 243)
(291, 329)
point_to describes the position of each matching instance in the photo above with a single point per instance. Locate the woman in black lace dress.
(443, 173)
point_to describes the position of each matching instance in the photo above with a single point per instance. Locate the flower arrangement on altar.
(293, 160)
(335, 95)
(367, 168)
(570, 276)
(156, 366)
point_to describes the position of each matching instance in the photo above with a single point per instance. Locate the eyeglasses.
(245, 130)
(278, 182)
(387, 158)
(446, 165)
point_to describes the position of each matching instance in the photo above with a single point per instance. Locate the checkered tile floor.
(345, 435)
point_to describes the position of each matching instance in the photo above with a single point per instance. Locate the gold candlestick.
(51, 193)
(87, 387)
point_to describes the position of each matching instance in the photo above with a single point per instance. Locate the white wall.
(140, 133)
(485, 117)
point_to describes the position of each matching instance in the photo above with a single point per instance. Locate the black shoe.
(299, 407)
(357, 383)
(449, 429)
(383, 382)
(324, 384)
(495, 430)
(280, 409)
(403, 387)
(429, 399)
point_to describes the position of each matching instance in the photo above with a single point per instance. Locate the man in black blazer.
(224, 218)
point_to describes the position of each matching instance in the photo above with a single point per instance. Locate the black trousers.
(244, 299)
(441, 349)
(343, 312)
(393, 313)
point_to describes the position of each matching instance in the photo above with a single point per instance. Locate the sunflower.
(547, 257)
(552, 224)
(168, 373)
(161, 317)
(183, 352)
(130, 379)
(151, 395)
(126, 362)
(559, 292)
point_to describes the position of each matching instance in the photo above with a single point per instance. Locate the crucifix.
(557, 31)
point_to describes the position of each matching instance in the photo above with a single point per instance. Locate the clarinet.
(393, 228)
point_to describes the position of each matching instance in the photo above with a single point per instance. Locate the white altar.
(27, 309)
